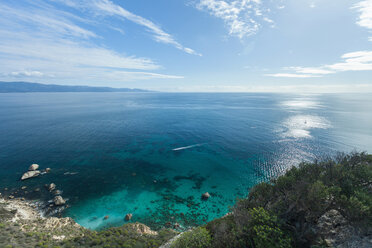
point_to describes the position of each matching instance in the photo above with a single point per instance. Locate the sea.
(154, 154)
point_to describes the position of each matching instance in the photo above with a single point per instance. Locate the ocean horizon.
(154, 154)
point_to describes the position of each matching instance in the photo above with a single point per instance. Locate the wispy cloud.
(25, 73)
(41, 19)
(242, 17)
(292, 75)
(40, 41)
(310, 70)
(159, 34)
(109, 8)
(365, 9)
(298, 88)
(354, 61)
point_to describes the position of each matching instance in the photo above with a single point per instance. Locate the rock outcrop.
(33, 167)
(30, 174)
(143, 229)
(335, 231)
(51, 187)
(206, 196)
(128, 217)
(58, 200)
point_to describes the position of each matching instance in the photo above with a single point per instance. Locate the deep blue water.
(154, 154)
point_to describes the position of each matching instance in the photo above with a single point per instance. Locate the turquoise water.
(154, 154)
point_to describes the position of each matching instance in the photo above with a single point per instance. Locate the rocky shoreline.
(39, 223)
(27, 217)
(23, 225)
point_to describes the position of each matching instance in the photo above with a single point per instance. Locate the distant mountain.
(9, 87)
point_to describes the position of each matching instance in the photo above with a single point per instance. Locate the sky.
(190, 45)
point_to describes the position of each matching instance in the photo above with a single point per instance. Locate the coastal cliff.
(320, 204)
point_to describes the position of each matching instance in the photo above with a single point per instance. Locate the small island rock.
(58, 200)
(205, 196)
(33, 167)
(128, 217)
(47, 170)
(51, 187)
(30, 174)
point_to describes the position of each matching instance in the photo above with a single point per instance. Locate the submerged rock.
(33, 167)
(30, 174)
(128, 217)
(206, 196)
(58, 192)
(58, 200)
(106, 217)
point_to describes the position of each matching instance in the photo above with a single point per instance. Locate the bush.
(197, 238)
(292, 204)
(264, 230)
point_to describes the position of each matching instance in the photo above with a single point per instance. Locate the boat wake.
(187, 147)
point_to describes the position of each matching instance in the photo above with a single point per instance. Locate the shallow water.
(154, 154)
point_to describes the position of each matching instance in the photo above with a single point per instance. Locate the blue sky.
(190, 45)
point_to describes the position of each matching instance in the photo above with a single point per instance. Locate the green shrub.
(197, 238)
(264, 230)
(292, 204)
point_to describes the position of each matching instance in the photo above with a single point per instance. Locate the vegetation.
(11, 235)
(285, 211)
(281, 213)
(196, 238)
(120, 237)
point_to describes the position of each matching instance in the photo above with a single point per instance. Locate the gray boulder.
(206, 196)
(58, 200)
(30, 174)
(335, 231)
(51, 187)
(33, 167)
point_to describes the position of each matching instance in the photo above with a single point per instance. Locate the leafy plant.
(196, 238)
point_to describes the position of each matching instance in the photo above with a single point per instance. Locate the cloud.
(298, 88)
(42, 19)
(131, 76)
(310, 70)
(26, 73)
(242, 17)
(37, 40)
(108, 8)
(291, 75)
(365, 10)
(354, 61)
